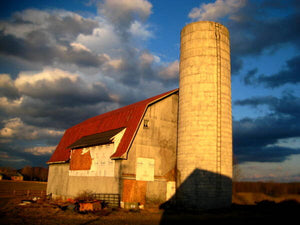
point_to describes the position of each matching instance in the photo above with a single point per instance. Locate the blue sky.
(64, 61)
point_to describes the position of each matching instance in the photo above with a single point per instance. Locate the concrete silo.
(204, 154)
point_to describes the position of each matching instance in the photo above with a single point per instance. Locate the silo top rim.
(203, 25)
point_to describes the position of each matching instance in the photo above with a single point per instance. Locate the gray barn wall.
(60, 184)
(157, 142)
(58, 179)
(95, 184)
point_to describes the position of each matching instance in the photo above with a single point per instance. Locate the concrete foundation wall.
(103, 185)
(156, 141)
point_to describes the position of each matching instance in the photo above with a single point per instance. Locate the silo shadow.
(201, 193)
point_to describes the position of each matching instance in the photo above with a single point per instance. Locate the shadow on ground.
(204, 197)
(265, 212)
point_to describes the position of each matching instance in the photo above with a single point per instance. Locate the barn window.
(146, 124)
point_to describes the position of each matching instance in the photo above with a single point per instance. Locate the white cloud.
(5, 81)
(171, 71)
(216, 10)
(59, 87)
(123, 12)
(102, 40)
(41, 150)
(146, 58)
(33, 16)
(47, 83)
(15, 128)
(79, 47)
(114, 63)
(50, 75)
(138, 30)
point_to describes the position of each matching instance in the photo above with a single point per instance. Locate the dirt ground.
(52, 212)
(22, 185)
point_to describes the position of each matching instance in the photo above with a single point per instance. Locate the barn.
(175, 146)
(129, 151)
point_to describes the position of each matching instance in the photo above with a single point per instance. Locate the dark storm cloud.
(44, 38)
(139, 67)
(45, 54)
(66, 93)
(70, 26)
(253, 31)
(236, 64)
(7, 87)
(289, 74)
(16, 157)
(45, 114)
(248, 79)
(264, 130)
(265, 154)
(288, 104)
(62, 24)
(13, 46)
(82, 58)
(255, 139)
(13, 65)
(52, 98)
(257, 35)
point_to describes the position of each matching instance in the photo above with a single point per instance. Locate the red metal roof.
(128, 116)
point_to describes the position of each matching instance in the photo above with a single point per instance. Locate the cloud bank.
(60, 68)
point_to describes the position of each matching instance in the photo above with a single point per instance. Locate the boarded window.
(80, 160)
(145, 169)
(134, 191)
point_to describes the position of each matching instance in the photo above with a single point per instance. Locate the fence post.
(28, 193)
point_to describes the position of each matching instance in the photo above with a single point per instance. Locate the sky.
(62, 62)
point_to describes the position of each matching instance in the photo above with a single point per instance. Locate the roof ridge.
(124, 107)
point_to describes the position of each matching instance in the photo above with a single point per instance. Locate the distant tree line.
(28, 173)
(34, 173)
(268, 188)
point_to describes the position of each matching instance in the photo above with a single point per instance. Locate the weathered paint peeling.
(95, 161)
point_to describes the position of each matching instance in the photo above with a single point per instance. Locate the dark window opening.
(146, 123)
